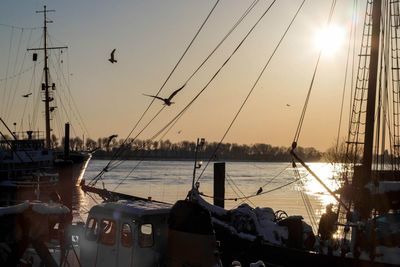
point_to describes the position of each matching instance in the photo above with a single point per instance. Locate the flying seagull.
(27, 95)
(167, 101)
(111, 59)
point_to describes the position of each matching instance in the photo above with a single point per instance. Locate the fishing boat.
(28, 158)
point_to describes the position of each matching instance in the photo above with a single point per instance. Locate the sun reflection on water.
(329, 174)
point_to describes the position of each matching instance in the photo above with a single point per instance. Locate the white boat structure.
(28, 161)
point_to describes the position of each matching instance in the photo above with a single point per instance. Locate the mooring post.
(65, 173)
(65, 188)
(66, 142)
(219, 184)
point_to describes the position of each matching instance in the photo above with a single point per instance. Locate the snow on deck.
(135, 207)
(244, 218)
(37, 206)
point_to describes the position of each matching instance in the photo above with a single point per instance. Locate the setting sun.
(329, 39)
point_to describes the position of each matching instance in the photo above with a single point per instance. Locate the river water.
(170, 181)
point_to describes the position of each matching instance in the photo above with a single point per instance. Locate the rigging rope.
(179, 115)
(262, 193)
(303, 113)
(352, 28)
(20, 28)
(107, 168)
(255, 83)
(306, 200)
(7, 68)
(117, 153)
(10, 104)
(175, 119)
(237, 23)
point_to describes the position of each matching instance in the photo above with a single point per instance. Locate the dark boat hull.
(80, 160)
(235, 248)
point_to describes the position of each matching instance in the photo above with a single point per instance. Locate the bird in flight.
(112, 59)
(27, 95)
(167, 101)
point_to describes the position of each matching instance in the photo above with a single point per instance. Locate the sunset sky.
(150, 36)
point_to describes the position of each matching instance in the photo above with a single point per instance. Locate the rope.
(241, 192)
(237, 23)
(306, 200)
(174, 120)
(8, 64)
(345, 78)
(262, 193)
(303, 113)
(20, 28)
(10, 104)
(106, 169)
(117, 153)
(214, 76)
(255, 83)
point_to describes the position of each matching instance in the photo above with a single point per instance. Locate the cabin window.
(108, 232)
(126, 235)
(92, 229)
(146, 235)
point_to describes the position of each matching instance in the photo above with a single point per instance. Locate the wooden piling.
(66, 142)
(219, 184)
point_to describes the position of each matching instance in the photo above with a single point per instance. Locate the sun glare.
(330, 39)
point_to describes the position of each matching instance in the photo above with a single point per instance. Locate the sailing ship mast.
(363, 173)
(45, 87)
(371, 98)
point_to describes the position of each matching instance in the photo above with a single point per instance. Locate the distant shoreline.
(94, 157)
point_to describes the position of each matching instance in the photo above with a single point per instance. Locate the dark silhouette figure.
(112, 58)
(27, 95)
(167, 101)
(327, 227)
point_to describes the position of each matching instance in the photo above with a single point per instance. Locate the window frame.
(126, 243)
(92, 233)
(113, 232)
(142, 239)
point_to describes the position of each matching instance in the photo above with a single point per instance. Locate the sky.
(150, 37)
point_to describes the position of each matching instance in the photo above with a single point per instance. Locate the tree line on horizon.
(106, 147)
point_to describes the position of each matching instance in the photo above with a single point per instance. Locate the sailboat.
(27, 159)
(368, 203)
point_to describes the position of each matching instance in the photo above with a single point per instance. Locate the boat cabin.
(125, 233)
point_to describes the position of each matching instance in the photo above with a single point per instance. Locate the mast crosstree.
(45, 87)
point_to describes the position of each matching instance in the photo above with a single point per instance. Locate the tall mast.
(46, 77)
(372, 86)
(46, 86)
